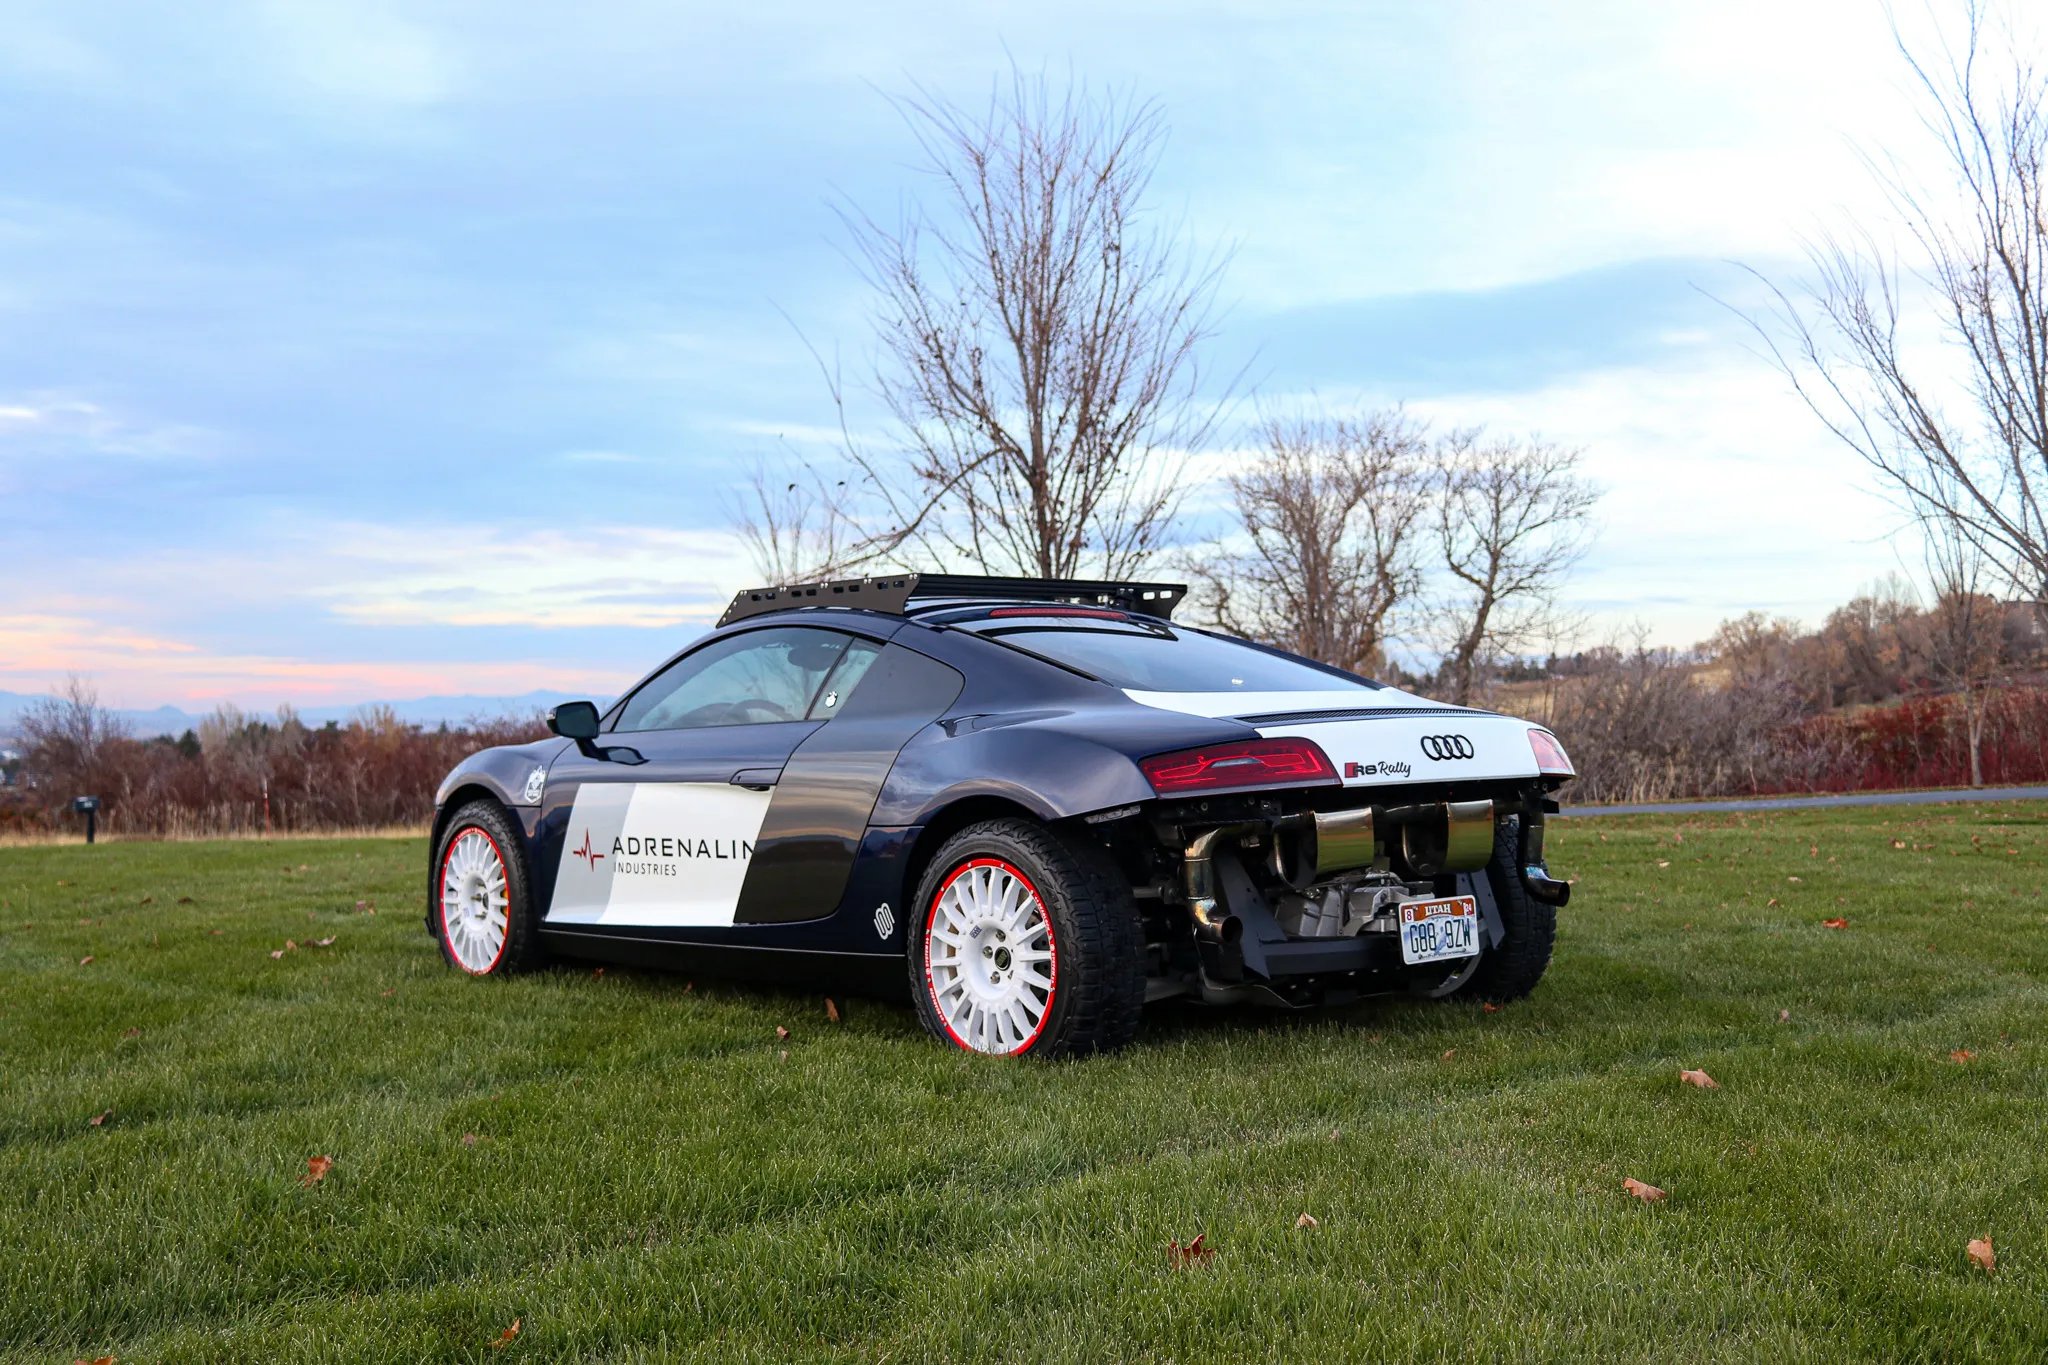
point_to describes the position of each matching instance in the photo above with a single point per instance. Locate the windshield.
(1167, 659)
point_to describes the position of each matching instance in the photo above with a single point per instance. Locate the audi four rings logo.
(1446, 746)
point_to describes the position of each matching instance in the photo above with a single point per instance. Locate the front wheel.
(1026, 943)
(482, 909)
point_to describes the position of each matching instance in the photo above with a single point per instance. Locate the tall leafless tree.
(797, 525)
(65, 738)
(1935, 370)
(1965, 630)
(1513, 517)
(1037, 337)
(1330, 514)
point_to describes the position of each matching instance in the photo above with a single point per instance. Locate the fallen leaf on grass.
(1838, 922)
(1961, 1055)
(510, 1334)
(1771, 902)
(1784, 1016)
(97, 1119)
(147, 900)
(781, 1032)
(277, 952)
(597, 974)
(215, 933)
(317, 1168)
(1488, 1007)
(1194, 1253)
(1649, 1194)
(831, 1010)
(1307, 1220)
(96, 1360)
(392, 991)
(85, 961)
(1980, 1253)
(131, 1033)
(1663, 862)
(1449, 1053)
(327, 942)
(1898, 843)
(470, 1139)
(1795, 879)
(186, 900)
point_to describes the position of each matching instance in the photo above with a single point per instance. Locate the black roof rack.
(895, 593)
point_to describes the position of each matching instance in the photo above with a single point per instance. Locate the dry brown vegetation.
(238, 774)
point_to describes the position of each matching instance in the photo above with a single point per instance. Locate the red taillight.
(1248, 763)
(1550, 755)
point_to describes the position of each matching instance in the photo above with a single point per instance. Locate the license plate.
(1433, 930)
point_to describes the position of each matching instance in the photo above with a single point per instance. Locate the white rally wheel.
(476, 901)
(989, 959)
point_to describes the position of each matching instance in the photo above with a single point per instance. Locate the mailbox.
(89, 807)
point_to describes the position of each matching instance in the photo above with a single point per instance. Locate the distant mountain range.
(169, 720)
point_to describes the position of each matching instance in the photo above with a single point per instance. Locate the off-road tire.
(522, 950)
(1099, 986)
(1511, 970)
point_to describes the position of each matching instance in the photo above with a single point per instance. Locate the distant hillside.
(170, 720)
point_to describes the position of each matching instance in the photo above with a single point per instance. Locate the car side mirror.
(575, 720)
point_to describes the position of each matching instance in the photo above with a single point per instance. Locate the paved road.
(1818, 802)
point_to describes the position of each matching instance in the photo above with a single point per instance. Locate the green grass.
(652, 1178)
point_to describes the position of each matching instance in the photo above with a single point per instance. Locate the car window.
(853, 666)
(751, 679)
(1173, 659)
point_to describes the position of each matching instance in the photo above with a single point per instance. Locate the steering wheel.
(769, 708)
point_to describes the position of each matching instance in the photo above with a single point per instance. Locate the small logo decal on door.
(885, 920)
(536, 783)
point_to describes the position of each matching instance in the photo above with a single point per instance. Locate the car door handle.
(755, 779)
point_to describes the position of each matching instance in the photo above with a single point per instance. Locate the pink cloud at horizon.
(133, 669)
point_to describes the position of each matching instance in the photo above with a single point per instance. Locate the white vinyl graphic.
(1434, 745)
(657, 853)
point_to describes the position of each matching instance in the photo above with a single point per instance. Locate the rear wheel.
(1511, 969)
(1025, 943)
(483, 912)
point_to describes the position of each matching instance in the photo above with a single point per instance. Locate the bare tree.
(1513, 517)
(1958, 432)
(66, 738)
(1037, 340)
(797, 526)
(1330, 514)
(1965, 630)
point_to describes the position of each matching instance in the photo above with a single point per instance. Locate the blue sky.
(378, 351)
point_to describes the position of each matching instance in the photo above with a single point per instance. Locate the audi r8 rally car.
(1034, 805)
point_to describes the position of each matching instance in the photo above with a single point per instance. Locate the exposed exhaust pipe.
(1316, 844)
(1529, 857)
(1198, 875)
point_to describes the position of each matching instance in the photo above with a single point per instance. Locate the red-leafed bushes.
(238, 774)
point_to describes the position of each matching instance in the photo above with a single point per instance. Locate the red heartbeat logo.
(585, 853)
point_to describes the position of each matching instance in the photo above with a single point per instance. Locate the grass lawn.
(637, 1169)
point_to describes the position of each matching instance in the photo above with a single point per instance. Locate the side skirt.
(877, 974)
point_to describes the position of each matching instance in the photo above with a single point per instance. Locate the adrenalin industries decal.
(658, 853)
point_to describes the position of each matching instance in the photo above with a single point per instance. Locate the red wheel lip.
(1052, 948)
(447, 938)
